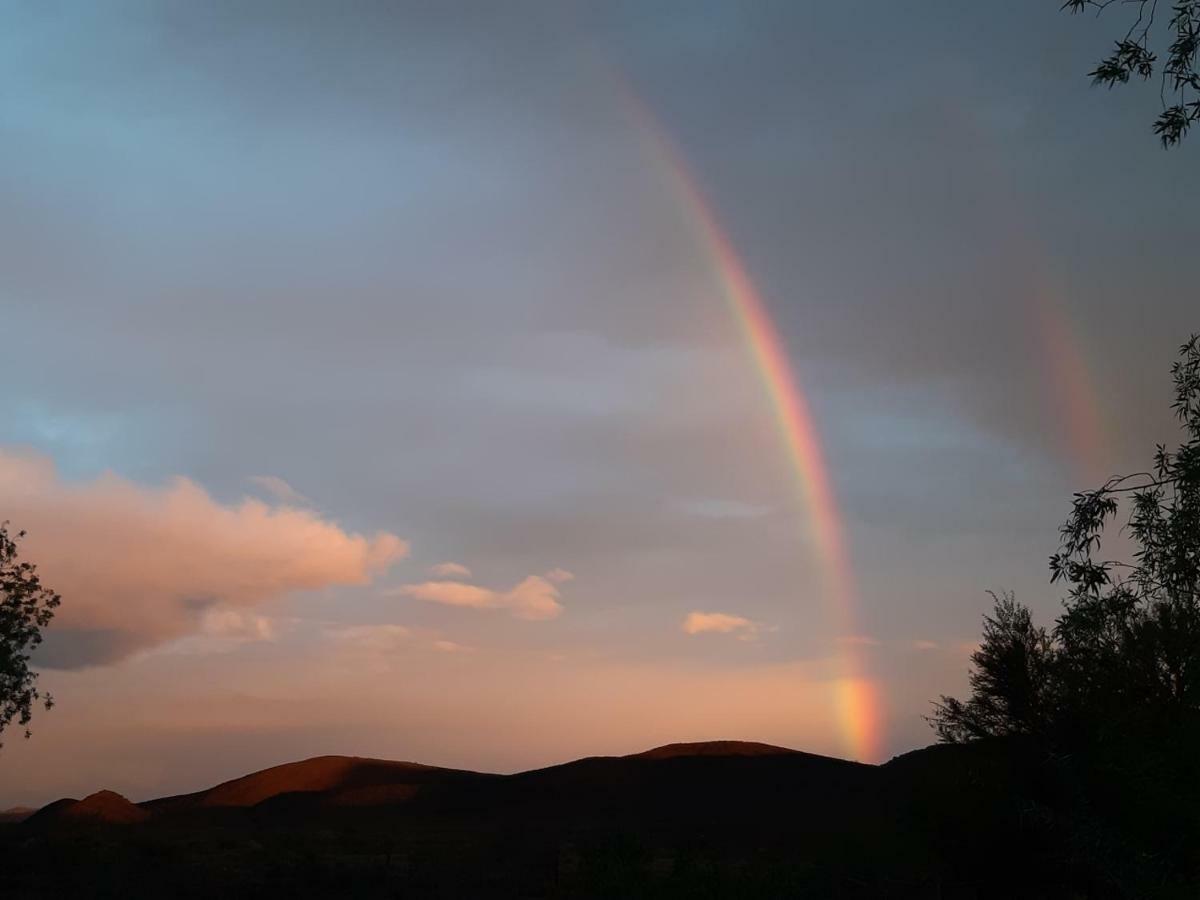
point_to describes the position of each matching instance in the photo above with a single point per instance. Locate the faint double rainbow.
(1072, 397)
(1069, 394)
(855, 697)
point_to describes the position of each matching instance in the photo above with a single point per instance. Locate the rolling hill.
(332, 780)
(100, 808)
(763, 821)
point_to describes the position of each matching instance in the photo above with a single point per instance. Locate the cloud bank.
(138, 566)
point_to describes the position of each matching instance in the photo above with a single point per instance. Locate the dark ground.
(715, 820)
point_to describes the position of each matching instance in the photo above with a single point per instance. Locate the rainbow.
(855, 697)
(1071, 398)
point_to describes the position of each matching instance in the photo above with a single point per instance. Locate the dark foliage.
(1008, 683)
(1133, 56)
(1130, 634)
(1112, 694)
(26, 607)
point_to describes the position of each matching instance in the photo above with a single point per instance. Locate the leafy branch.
(1133, 57)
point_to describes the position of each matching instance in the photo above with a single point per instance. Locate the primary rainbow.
(855, 697)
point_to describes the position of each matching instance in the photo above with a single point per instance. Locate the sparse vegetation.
(1135, 55)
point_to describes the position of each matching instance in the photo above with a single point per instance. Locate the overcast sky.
(367, 390)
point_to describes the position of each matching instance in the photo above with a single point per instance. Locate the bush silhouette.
(1111, 695)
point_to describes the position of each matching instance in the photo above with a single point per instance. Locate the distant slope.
(15, 814)
(339, 780)
(713, 748)
(100, 808)
(741, 755)
(716, 781)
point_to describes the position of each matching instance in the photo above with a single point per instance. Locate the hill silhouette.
(337, 780)
(100, 808)
(673, 776)
(763, 821)
(714, 748)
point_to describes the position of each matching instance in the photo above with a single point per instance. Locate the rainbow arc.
(855, 694)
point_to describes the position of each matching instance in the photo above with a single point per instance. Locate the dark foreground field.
(689, 820)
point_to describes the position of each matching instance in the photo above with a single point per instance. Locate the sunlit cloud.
(237, 625)
(222, 631)
(720, 623)
(924, 645)
(279, 490)
(534, 598)
(450, 570)
(139, 565)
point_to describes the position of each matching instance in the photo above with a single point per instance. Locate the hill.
(663, 778)
(753, 819)
(100, 808)
(323, 780)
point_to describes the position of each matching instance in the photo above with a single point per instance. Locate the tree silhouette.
(1009, 680)
(1126, 649)
(1112, 694)
(26, 607)
(1133, 55)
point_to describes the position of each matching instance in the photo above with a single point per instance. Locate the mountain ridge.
(348, 781)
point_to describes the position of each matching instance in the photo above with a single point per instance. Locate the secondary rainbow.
(855, 698)
(1073, 396)
(1069, 392)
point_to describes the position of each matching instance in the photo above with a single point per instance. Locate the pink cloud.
(718, 623)
(279, 489)
(449, 570)
(535, 598)
(237, 625)
(138, 565)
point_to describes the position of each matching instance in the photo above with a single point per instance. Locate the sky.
(396, 379)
